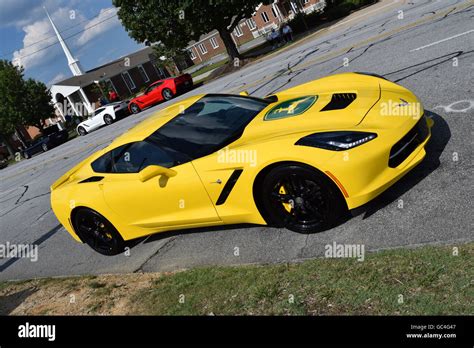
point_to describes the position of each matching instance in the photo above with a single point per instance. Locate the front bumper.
(407, 159)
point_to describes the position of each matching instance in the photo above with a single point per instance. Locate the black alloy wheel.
(302, 199)
(98, 232)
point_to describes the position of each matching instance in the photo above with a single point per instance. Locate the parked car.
(52, 136)
(104, 115)
(202, 155)
(161, 90)
(3, 163)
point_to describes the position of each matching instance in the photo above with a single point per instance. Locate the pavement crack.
(165, 245)
(21, 196)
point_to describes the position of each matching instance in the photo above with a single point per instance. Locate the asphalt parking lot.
(430, 51)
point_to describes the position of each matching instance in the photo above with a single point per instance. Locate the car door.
(160, 202)
(154, 93)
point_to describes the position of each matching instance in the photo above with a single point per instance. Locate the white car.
(104, 115)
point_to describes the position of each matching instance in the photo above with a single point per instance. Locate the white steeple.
(73, 63)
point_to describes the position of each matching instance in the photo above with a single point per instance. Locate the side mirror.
(244, 93)
(153, 171)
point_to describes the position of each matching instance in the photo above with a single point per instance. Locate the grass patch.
(431, 280)
(422, 281)
(209, 67)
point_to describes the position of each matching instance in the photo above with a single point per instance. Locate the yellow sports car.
(298, 159)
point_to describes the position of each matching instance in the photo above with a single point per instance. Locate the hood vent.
(92, 179)
(340, 101)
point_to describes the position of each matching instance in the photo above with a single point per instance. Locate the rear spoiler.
(65, 177)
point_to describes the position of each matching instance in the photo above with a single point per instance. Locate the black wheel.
(134, 108)
(44, 146)
(108, 119)
(82, 131)
(167, 93)
(98, 232)
(301, 199)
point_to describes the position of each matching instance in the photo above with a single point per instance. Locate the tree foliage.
(175, 23)
(37, 106)
(11, 96)
(22, 102)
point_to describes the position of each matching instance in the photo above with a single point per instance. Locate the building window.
(214, 42)
(143, 73)
(238, 31)
(251, 24)
(202, 48)
(274, 12)
(192, 54)
(265, 17)
(128, 80)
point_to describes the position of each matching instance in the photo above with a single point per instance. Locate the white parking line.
(365, 14)
(440, 41)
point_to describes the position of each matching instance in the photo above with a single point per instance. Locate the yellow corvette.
(298, 159)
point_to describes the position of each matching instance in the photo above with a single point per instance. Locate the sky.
(90, 28)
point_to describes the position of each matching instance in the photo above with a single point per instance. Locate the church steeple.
(73, 63)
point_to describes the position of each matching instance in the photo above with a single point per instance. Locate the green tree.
(175, 23)
(37, 106)
(12, 91)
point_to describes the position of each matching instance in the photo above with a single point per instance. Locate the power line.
(61, 32)
(55, 43)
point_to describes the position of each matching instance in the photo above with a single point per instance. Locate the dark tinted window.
(211, 123)
(151, 88)
(133, 157)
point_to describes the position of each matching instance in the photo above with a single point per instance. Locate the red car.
(159, 91)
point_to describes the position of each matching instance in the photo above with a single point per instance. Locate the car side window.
(132, 158)
(98, 111)
(151, 88)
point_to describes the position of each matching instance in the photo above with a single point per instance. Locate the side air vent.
(92, 179)
(340, 101)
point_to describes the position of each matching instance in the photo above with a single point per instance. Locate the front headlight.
(336, 141)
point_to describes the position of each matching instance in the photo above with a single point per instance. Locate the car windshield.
(211, 123)
(208, 125)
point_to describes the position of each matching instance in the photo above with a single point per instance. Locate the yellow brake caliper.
(287, 206)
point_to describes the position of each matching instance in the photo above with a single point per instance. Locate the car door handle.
(218, 181)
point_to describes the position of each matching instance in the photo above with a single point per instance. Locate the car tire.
(301, 199)
(44, 147)
(108, 120)
(81, 131)
(97, 232)
(134, 108)
(167, 94)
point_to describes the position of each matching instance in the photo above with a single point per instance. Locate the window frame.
(203, 48)
(213, 40)
(142, 71)
(126, 73)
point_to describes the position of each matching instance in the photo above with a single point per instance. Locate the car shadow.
(162, 235)
(440, 135)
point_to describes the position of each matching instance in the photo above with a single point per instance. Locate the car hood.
(342, 102)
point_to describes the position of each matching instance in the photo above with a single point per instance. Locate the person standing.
(113, 96)
(287, 33)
